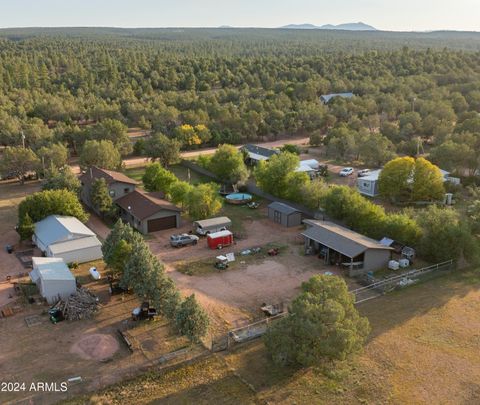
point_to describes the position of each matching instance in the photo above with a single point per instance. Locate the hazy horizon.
(410, 15)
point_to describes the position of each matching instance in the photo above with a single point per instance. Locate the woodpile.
(81, 305)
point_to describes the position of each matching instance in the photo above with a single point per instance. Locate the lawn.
(180, 171)
(423, 349)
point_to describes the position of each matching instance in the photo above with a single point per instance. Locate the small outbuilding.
(341, 246)
(53, 278)
(67, 238)
(284, 215)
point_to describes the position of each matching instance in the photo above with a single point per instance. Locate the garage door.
(161, 223)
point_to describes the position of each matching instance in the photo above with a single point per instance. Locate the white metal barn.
(67, 238)
(53, 278)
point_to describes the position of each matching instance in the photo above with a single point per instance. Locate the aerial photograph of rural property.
(239, 202)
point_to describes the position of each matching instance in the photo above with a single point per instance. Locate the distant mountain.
(360, 26)
(301, 26)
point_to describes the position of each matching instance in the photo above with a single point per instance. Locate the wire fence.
(244, 334)
(405, 279)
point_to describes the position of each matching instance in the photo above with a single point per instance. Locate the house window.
(366, 185)
(126, 190)
(112, 193)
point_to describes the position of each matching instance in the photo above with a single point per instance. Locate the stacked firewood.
(81, 305)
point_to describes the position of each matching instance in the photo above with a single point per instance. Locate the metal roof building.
(284, 215)
(53, 278)
(341, 246)
(67, 238)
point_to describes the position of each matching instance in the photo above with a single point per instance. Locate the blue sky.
(403, 15)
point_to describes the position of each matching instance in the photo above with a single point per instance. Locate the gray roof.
(283, 208)
(56, 228)
(326, 98)
(50, 268)
(260, 150)
(341, 239)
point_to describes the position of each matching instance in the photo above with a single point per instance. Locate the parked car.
(183, 240)
(363, 172)
(346, 171)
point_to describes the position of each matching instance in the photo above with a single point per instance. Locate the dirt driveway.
(234, 296)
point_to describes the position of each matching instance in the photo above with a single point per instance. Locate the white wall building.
(67, 238)
(53, 278)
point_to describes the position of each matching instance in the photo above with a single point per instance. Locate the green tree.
(427, 182)
(444, 235)
(120, 231)
(191, 320)
(203, 201)
(64, 178)
(102, 154)
(18, 161)
(323, 324)
(278, 175)
(160, 147)
(54, 155)
(100, 197)
(313, 192)
(395, 179)
(156, 178)
(179, 191)
(27, 228)
(119, 257)
(115, 131)
(228, 165)
(50, 202)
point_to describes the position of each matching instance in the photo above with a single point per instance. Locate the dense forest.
(211, 86)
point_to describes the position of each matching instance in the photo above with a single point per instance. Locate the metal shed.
(284, 215)
(53, 278)
(341, 246)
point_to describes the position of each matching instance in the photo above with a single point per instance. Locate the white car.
(346, 171)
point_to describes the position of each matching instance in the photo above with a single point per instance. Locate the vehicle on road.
(363, 172)
(184, 239)
(346, 171)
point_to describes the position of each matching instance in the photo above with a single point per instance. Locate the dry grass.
(423, 350)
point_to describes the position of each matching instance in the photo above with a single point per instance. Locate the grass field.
(423, 349)
(180, 171)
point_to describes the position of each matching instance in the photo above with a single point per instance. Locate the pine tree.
(191, 320)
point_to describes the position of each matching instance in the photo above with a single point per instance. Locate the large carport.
(341, 246)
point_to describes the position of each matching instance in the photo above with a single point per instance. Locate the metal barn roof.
(341, 239)
(283, 208)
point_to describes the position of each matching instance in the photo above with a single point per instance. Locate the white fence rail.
(381, 287)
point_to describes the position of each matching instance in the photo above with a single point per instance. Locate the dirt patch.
(97, 346)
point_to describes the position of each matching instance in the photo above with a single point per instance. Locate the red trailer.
(218, 240)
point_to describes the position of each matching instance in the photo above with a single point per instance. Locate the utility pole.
(413, 104)
(23, 139)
